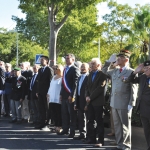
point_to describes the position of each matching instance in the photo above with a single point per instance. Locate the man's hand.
(70, 99)
(87, 99)
(130, 108)
(36, 94)
(112, 58)
(139, 69)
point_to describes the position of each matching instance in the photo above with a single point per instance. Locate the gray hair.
(97, 60)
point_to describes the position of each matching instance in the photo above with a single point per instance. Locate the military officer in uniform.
(143, 101)
(123, 97)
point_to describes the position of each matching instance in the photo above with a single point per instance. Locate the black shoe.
(6, 115)
(71, 135)
(62, 133)
(40, 126)
(25, 120)
(13, 121)
(80, 137)
(90, 142)
(19, 122)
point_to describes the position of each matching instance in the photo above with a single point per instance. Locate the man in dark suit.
(95, 90)
(17, 95)
(80, 101)
(45, 74)
(27, 73)
(67, 96)
(143, 101)
(32, 94)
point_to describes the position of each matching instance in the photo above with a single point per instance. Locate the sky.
(10, 7)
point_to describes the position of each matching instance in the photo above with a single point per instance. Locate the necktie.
(120, 70)
(42, 69)
(67, 68)
(93, 75)
(32, 82)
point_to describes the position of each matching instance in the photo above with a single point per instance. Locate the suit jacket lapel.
(84, 81)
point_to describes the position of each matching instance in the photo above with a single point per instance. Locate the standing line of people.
(74, 96)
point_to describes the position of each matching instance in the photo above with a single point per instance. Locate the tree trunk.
(54, 29)
(52, 45)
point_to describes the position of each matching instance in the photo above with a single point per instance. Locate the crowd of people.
(73, 95)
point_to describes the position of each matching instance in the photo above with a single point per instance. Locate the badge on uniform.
(19, 84)
(124, 79)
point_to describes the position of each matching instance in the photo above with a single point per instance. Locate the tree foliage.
(27, 49)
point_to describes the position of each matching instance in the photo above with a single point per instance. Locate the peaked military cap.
(124, 53)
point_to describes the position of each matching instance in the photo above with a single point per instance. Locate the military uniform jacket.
(141, 80)
(123, 93)
(18, 88)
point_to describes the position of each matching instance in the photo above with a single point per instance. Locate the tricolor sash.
(64, 82)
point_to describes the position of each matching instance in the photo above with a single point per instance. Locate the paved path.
(24, 136)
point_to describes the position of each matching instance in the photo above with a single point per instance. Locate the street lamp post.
(17, 49)
(15, 31)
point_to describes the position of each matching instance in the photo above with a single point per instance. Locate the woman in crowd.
(53, 97)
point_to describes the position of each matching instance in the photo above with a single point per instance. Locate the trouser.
(122, 126)
(68, 116)
(95, 123)
(56, 113)
(146, 126)
(0, 104)
(35, 106)
(111, 122)
(25, 108)
(81, 121)
(16, 110)
(43, 108)
(7, 103)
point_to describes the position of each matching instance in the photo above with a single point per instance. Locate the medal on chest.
(19, 84)
(124, 79)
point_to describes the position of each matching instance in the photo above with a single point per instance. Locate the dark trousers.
(34, 105)
(0, 104)
(7, 103)
(82, 121)
(56, 113)
(68, 116)
(146, 126)
(95, 123)
(43, 108)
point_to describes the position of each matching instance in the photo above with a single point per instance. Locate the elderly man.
(33, 96)
(123, 98)
(25, 105)
(95, 98)
(80, 101)
(143, 101)
(17, 95)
